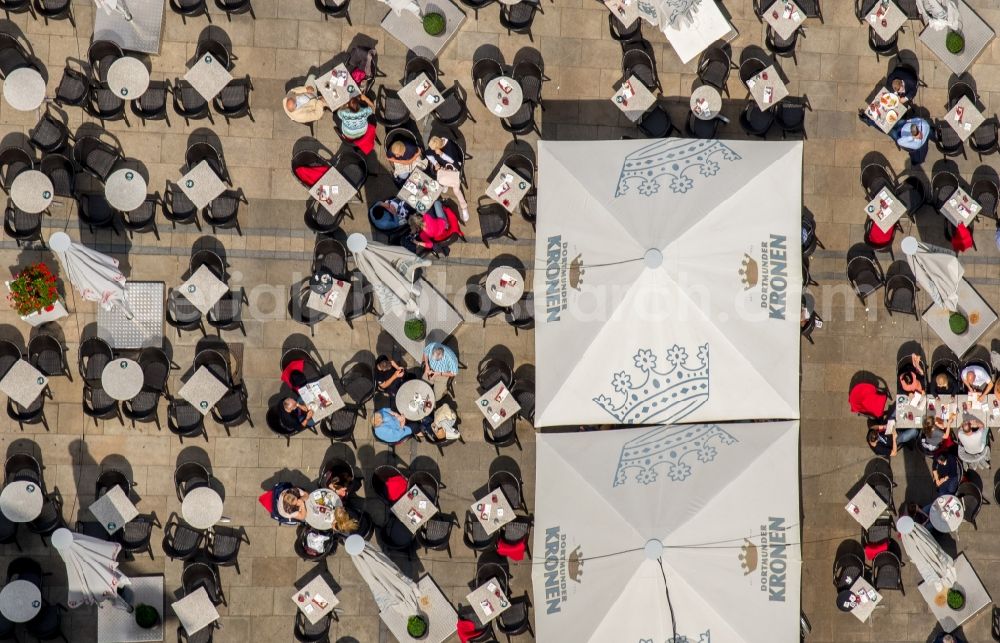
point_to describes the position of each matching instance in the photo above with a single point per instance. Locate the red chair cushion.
(296, 366)
(878, 238)
(395, 487)
(865, 398)
(309, 174)
(961, 240)
(266, 500)
(874, 549)
(466, 630)
(366, 143)
(513, 552)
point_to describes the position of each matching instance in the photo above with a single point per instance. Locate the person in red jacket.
(429, 230)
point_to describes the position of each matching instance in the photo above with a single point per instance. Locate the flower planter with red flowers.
(34, 295)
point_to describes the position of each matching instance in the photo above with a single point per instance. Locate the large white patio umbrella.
(666, 532)
(933, 562)
(668, 274)
(91, 568)
(390, 586)
(390, 270)
(94, 275)
(117, 6)
(937, 270)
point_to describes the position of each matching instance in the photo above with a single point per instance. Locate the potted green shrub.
(958, 323)
(954, 42)
(415, 329)
(416, 626)
(146, 616)
(956, 599)
(434, 24)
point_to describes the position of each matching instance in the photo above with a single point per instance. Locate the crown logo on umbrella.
(671, 158)
(679, 449)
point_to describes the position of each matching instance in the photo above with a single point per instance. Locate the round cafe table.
(945, 521)
(404, 397)
(319, 508)
(500, 291)
(493, 95)
(24, 89)
(711, 106)
(20, 601)
(21, 501)
(122, 378)
(125, 189)
(202, 507)
(128, 78)
(31, 191)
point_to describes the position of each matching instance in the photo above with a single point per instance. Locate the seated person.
(443, 427)
(977, 380)
(295, 415)
(936, 432)
(389, 375)
(972, 435)
(910, 376)
(429, 231)
(914, 511)
(390, 427)
(902, 82)
(946, 471)
(290, 504)
(354, 125)
(305, 104)
(440, 365)
(390, 214)
(342, 521)
(446, 158)
(404, 156)
(884, 440)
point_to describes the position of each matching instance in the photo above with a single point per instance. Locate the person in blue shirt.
(390, 427)
(913, 135)
(440, 365)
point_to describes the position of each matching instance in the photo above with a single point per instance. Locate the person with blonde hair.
(342, 521)
(291, 505)
(447, 158)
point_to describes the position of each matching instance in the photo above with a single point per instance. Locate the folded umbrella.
(94, 275)
(92, 574)
(390, 586)
(937, 270)
(390, 270)
(933, 563)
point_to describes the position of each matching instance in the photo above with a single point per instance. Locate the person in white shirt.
(977, 379)
(972, 436)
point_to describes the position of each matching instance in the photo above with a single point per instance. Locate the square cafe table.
(498, 405)
(493, 595)
(976, 596)
(964, 118)
(981, 317)
(203, 390)
(337, 95)
(978, 35)
(414, 500)
(208, 77)
(23, 383)
(866, 506)
(115, 625)
(113, 509)
(416, 198)
(203, 289)
(326, 385)
(332, 302)
(196, 611)
(420, 104)
(865, 608)
(784, 16)
(316, 599)
(634, 99)
(144, 327)
(888, 12)
(759, 83)
(201, 184)
(493, 510)
(885, 217)
(960, 207)
(517, 188)
(886, 109)
(905, 406)
(341, 188)
(441, 615)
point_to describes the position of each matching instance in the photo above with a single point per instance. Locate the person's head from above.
(912, 509)
(437, 354)
(915, 131)
(898, 86)
(342, 521)
(417, 223)
(930, 423)
(383, 364)
(397, 149)
(436, 143)
(354, 104)
(948, 638)
(289, 405)
(968, 427)
(943, 458)
(340, 480)
(290, 501)
(289, 104)
(907, 378)
(377, 420)
(970, 378)
(941, 381)
(872, 438)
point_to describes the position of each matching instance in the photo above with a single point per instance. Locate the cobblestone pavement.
(834, 68)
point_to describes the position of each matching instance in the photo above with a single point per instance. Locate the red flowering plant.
(33, 289)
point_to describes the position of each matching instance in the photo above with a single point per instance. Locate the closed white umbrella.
(937, 270)
(110, 6)
(390, 586)
(92, 572)
(940, 14)
(94, 275)
(933, 563)
(399, 6)
(390, 270)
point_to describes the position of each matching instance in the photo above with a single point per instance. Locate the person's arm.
(367, 101)
(915, 360)
(895, 447)
(309, 414)
(427, 366)
(989, 387)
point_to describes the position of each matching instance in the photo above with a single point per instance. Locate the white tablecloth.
(707, 26)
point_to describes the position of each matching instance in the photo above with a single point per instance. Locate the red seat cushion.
(467, 630)
(366, 143)
(866, 398)
(961, 239)
(878, 238)
(266, 500)
(309, 174)
(395, 487)
(874, 549)
(296, 366)
(513, 552)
